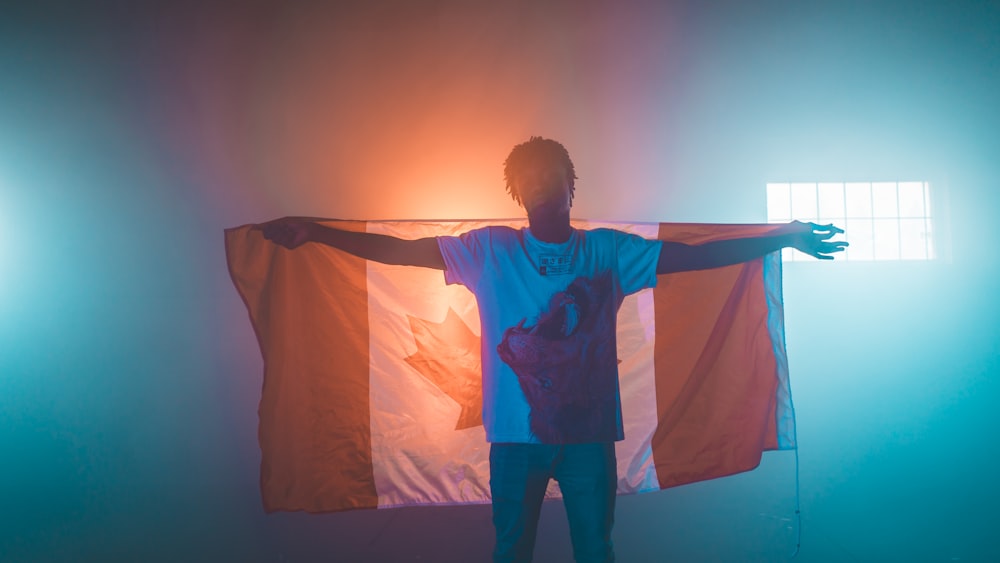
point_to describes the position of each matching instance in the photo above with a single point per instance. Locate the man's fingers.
(272, 222)
(289, 234)
(272, 232)
(829, 229)
(830, 247)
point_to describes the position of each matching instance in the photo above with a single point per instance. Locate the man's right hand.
(289, 232)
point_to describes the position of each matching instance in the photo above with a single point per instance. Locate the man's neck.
(548, 229)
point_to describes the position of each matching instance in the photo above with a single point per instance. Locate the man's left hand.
(814, 240)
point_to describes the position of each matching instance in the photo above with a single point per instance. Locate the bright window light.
(882, 220)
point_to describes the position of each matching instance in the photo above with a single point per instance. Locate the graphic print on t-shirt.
(554, 265)
(566, 364)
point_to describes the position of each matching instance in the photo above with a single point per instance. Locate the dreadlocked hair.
(534, 150)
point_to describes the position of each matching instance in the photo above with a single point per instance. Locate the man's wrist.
(313, 231)
(791, 240)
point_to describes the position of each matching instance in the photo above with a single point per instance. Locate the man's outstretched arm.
(293, 232)
(810, 238)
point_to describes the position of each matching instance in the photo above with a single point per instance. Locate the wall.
(131, 135)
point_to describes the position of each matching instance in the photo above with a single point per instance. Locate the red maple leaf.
(448, 355)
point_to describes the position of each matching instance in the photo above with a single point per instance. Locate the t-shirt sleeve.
(464, 257)
(637, 261)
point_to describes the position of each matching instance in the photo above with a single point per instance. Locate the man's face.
(544, 188)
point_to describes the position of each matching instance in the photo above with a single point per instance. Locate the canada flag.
(372, 382)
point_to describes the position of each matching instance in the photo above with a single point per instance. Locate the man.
(548, 298)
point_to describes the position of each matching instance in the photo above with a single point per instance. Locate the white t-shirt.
(548, 313)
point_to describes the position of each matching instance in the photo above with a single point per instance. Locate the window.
(881, 220)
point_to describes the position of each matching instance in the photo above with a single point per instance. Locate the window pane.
(884, 200)
(859, 234)
(831, 203)
(886, 233)
(789, 255)
(883, 220)
(911, 199)
(779, 203)
(804, 206)
(913, 239)
(859, 199)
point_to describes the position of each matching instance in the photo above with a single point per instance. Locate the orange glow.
(407, 113)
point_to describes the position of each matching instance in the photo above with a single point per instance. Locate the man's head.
(536, 166)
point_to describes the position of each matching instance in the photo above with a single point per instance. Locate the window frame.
(881, 224)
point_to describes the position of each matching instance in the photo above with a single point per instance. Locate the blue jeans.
(587, 475)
